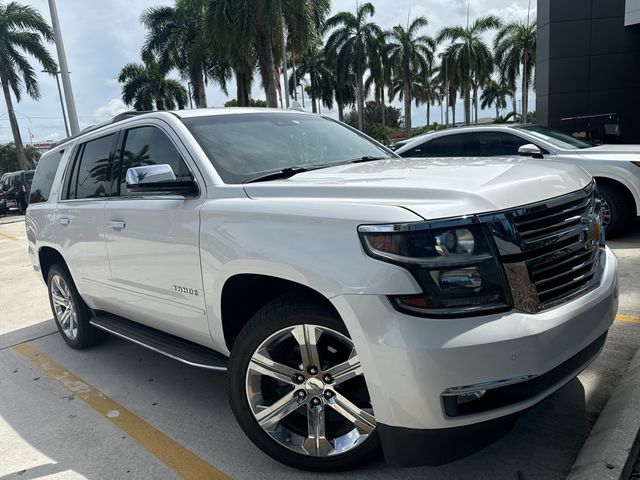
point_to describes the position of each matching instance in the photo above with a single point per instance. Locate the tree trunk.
(428, 114)
(17, 139)
(160, 103)
(382, 107)
(267, 68)
(407, 104)
(525, 90)
(360, 100)
(475, 102)
(467, 107)
(497, 112)
(242, 91)
(453, 98)
(515, 105)
(314, 106)
(199, 93)
(340, 111)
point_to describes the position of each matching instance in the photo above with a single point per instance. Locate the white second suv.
(357, 299)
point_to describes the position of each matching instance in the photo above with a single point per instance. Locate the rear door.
(153, 239)
(80, 216)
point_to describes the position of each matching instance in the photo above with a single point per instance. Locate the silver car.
(616, 168)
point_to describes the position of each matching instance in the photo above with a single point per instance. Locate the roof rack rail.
(118, 118)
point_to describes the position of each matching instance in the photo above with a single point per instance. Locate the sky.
(100, 36)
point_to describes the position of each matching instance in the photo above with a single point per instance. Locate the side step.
(177, 348)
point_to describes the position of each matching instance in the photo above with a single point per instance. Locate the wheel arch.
(244, 294)
(47, 257)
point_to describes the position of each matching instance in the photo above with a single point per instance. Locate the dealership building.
(588, 68)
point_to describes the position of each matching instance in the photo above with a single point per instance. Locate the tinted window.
(556, 138)
(499, 143)
(45, 173)
(150, 146)
(421, 150)
(28, 176)
(245, 146)
(91, 169)
(455, 145)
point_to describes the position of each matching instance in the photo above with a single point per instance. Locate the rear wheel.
(70, 313)
(297, 388)
(616, 212)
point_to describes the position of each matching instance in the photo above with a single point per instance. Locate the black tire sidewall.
(280, 314)
(620, 211)
(87, 335)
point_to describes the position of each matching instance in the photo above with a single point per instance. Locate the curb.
(611, 449)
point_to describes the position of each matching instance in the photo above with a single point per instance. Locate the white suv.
(357, 299)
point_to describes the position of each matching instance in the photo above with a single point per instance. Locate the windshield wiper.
(367, 158)
(284, 173)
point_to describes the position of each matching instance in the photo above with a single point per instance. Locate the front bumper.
(409, 362)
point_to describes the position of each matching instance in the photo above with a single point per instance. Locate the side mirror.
(158, 178)
(530, 150)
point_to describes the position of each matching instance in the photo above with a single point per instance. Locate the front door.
(153, 241)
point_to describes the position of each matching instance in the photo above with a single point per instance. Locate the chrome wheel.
(63, 306)
(306, 390)
(605, 212)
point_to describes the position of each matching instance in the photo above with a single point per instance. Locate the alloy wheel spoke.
(346, 370)
(64, 319)
(266, 366)
(73, 322)
(307, 337)
(271, 415)
(361, 419)
(58, 299)
(316, 442)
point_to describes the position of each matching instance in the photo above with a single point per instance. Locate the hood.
(433, 188)
(611, 152)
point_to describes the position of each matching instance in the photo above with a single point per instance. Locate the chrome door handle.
(63, 221)
(116, 224)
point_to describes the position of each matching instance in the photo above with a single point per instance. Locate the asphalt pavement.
(121, 411)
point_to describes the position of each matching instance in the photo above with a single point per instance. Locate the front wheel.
(70, 313)
(297, 388)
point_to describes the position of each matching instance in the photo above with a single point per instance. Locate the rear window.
(28, 177)
(44, 175)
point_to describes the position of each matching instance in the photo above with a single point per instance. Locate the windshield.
(248, 145)
(556, 138)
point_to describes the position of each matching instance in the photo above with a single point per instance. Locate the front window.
(557, 139)
(245, 146)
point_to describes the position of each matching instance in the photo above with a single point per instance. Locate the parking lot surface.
(121, 411)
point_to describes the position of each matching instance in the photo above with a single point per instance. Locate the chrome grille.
(551, 251)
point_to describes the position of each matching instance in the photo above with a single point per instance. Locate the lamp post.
(64, 69)
(64, 114)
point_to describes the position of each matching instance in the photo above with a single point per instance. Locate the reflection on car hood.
(432, 188)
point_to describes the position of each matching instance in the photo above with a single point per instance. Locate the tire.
(64, 297)
(288, 439)
(616, 209)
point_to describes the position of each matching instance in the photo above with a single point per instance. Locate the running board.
(175, 347)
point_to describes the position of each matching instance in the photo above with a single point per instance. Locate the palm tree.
(249, 32)
(495, 94)
(320, 87)
(515, 52)
(177, 36)
(379, 73)
(449, 76)
(350, 42)
(469, 55)
(146, 85)
(22, 31)
(428, 92)
(410, 53)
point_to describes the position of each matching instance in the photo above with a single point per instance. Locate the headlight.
(453, 261)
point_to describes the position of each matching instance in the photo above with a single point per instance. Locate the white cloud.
(111, 82)
(111, 109)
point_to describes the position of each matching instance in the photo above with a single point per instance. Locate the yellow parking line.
(182, 461)
(8, 237)
(627, 318)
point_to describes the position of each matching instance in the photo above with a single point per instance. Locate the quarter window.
(150, 146)
(43, 179)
